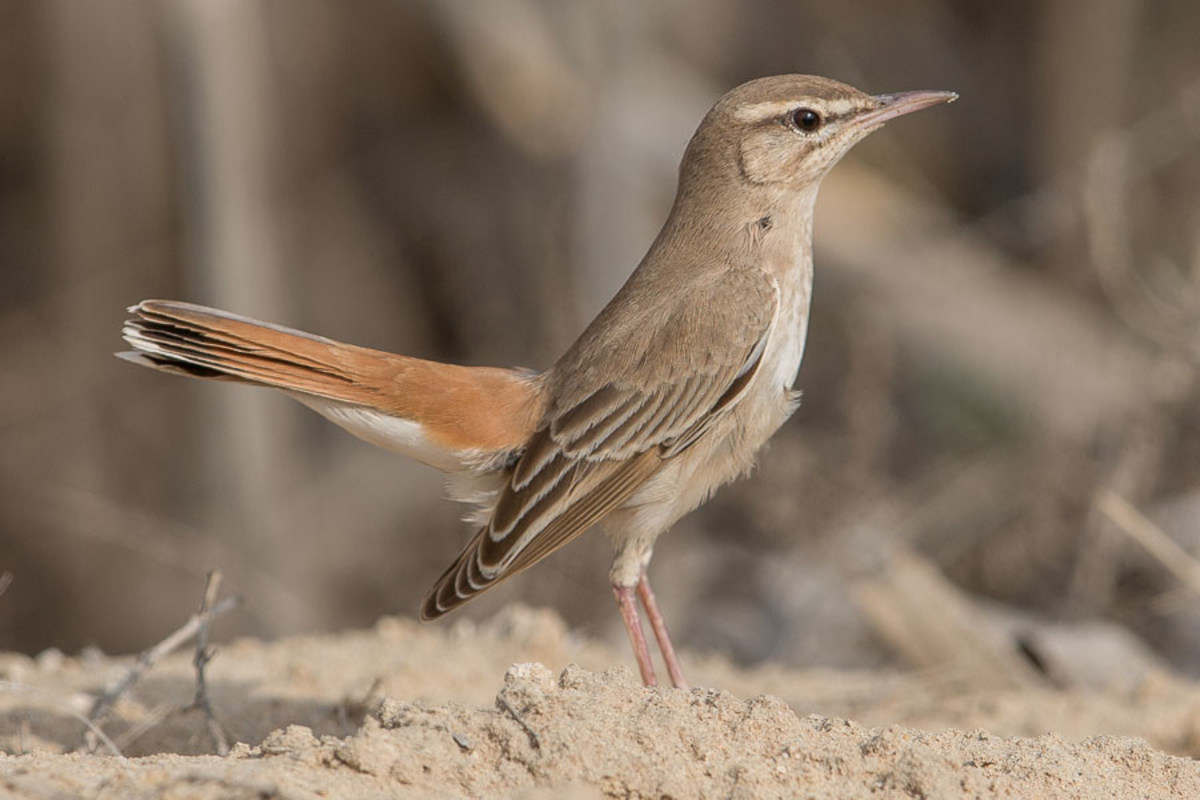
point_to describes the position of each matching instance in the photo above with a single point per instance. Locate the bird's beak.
(890, 106)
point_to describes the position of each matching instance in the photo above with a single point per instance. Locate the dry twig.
(204, 654)
(506, 706)
(196, 626)
(99, 736)
(1163, 548)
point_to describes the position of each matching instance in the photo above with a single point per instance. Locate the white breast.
(782, 360)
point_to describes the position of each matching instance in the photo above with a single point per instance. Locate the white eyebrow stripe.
(777, 108)
(837, 108)
(765, 110)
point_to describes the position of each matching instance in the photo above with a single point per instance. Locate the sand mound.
(422, 711)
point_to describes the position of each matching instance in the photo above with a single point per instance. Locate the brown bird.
(668, 394)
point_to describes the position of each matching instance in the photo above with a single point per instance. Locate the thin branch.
(502, 701)
(148, 658)
(1182, 564)
(204, 654)
(93, 728)
(151, 721)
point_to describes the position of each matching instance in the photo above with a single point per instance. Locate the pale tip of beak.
(891, 106)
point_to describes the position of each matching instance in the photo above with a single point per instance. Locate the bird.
(668, 394)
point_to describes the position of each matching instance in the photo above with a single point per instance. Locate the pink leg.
(637, 637)
(660, 633)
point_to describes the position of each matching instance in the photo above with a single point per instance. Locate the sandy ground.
(521, 707)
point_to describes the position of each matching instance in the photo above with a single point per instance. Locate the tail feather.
(442, 414)
(182, 333)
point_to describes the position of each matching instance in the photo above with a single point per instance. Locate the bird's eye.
(806, 120)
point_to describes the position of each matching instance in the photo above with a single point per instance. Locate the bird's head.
(791, 129)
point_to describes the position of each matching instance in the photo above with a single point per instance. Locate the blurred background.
(999, 446)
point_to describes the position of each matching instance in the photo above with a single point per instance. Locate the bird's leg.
(659, 626)
(637, 637)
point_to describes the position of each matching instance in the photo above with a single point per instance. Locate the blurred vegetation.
(1005, 320)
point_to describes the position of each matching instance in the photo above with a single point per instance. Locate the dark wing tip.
(429, 607)
(454, 587)
(442, 598)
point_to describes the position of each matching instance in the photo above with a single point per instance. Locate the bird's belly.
(728, 451)
(686, 481)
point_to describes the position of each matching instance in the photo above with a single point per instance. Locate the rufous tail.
(442, 414)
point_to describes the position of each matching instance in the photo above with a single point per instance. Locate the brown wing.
(599, 444)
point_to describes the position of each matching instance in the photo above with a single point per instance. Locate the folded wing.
(600, 442)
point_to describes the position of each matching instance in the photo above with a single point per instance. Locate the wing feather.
(598, 444)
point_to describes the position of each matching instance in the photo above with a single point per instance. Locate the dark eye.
(806, 120)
